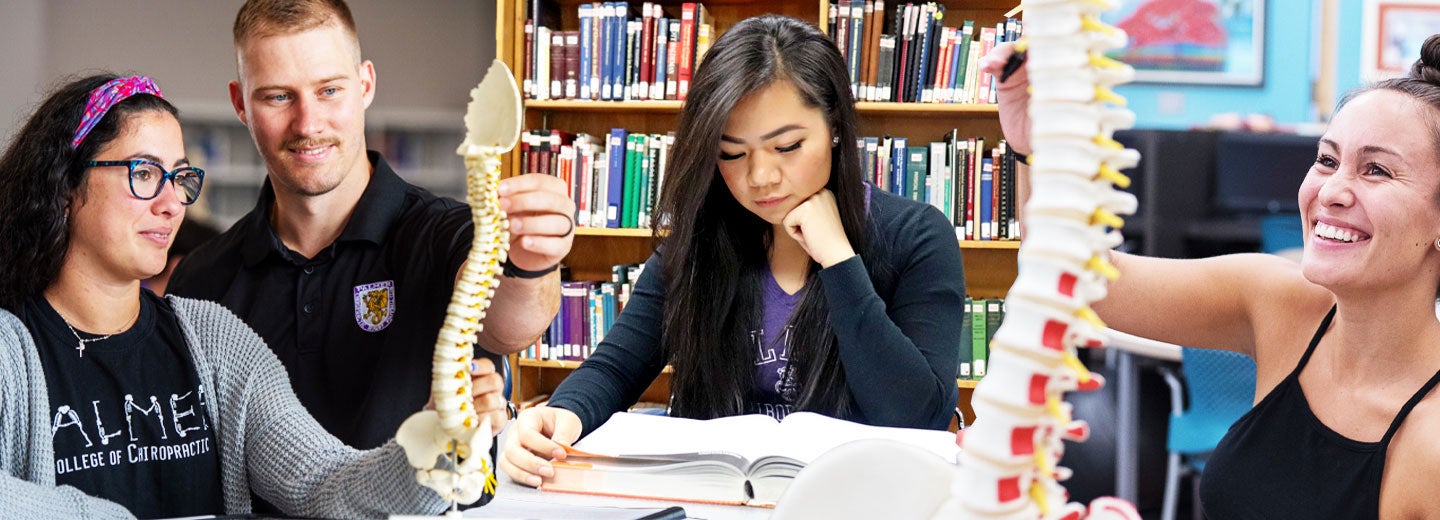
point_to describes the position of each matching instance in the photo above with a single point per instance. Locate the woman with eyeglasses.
(115, 402)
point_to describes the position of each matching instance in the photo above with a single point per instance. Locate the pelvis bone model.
(453, 429)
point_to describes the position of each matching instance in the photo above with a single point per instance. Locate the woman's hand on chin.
(815, 224)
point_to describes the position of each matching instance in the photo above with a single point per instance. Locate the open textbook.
(747, 459)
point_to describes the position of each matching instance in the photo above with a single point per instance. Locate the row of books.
(617, 53)
(973, 186)
(919, 59)
(981, 318)
(587, 311)
(616, 181)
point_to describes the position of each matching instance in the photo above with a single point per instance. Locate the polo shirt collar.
(378, 207)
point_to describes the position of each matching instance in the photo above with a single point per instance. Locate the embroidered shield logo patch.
(375, 305)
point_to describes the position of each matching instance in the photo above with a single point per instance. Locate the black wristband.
(1020, 157)
(510, 270)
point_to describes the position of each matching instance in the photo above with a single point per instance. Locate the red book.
(687, 48)
(647, 57)
(530, 59)
(557, 65)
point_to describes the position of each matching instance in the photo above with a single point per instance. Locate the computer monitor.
(1260, 173)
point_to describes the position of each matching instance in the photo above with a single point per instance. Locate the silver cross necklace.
(80, 345)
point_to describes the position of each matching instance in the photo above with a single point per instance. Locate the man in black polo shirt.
(342, 267)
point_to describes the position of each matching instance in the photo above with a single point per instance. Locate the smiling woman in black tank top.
(1345, 422)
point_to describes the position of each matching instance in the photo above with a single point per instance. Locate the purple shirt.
(773, 394)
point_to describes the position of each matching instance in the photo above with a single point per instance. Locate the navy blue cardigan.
(898, 327)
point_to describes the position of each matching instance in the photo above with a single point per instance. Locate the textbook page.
(803, 436)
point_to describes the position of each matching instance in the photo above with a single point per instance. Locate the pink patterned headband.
(107, 96)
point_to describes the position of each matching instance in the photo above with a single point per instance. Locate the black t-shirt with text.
(129, 416)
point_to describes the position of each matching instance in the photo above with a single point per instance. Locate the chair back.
(1220, 383)
(1221, 388)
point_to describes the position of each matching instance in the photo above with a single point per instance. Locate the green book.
(917, 168)
(647, 169)
(967, 353)
(967, 35)
(629, 214)
(994, 314)
(980, 348)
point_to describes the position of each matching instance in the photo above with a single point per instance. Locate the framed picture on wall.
(1392, 34)
(1214, 42)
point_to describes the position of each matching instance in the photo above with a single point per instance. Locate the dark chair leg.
(1195, 510)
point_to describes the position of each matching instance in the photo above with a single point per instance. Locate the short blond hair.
(261, 18)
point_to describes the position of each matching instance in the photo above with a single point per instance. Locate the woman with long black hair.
(783, 280)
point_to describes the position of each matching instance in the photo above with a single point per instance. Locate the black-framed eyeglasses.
(147, 179)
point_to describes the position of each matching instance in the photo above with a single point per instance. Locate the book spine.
(616, 173)
(646, 56)
(572, 64)
(672, 65)
(632, 58)
(887, 146)
(662, 54)
(961, 156)
(935, 193)
(607, 51)
(887, 67)
(529, 82)
(994, 317)
(872, 50)
(587, 34)
(987, 42)
(557, 65)
(687, 48)
(922, 63)
(987, 182)
(967, 333)
(979, 349)
(857, 37)
(866, 55)
(1002, 205)
(704, 36)
(897, 166)
(917, 171)
(621, 23)
(632, 165)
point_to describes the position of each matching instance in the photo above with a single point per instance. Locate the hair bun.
(1427, 68)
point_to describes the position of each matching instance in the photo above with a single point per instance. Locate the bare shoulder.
(1286, 309)
(1412, 465)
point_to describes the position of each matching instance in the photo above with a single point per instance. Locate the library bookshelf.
(990, 266)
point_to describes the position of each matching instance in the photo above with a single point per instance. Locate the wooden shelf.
(645, 233)
(990, 244)
(967, 383)
(866, 108)
(612, 232)
(566, 365)
(577, 105)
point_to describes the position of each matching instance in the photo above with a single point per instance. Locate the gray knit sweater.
(268, 442)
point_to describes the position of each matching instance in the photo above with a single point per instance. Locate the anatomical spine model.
(1009, 465)
(453, 429)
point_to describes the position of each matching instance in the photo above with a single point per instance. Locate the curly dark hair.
(41, 174)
